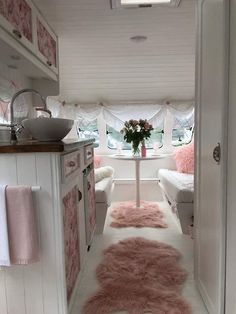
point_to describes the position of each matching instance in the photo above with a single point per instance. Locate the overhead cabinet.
(22, 20)
(16, 17)
(46, 44)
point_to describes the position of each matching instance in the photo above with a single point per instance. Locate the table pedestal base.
(137, 172)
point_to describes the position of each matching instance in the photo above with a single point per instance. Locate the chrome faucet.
(12, 124)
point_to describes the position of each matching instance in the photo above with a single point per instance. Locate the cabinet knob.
(49, 63)
(89, 185)
(17, 33)
(217, 153)
(80, 195)
(71, 164)
(89, 155)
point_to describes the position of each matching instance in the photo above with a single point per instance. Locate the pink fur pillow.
(184, 158)
(97, 161)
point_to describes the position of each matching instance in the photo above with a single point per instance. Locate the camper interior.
(117, 156)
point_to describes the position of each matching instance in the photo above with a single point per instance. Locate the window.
(182, 132)
(115, 139)
(156, 137)
(88, 130)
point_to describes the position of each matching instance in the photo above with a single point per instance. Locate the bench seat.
(180, 186)
(103, 193)
(178, 189)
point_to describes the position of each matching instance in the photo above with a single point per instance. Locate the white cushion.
(103, 172)
(178, 186)
(103, 190)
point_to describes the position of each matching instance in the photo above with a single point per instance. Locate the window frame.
(166, 148)
(128, 144)
(184, 142)
(78, 130)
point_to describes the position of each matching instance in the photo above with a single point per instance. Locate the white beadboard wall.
(40, 288)
(36, 288)
(98, 62)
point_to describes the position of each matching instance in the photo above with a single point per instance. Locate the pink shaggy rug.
(139, 276)
(126, 214)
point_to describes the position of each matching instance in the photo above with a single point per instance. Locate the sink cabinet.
(50, 285)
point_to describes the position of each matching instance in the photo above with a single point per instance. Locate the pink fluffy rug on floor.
(139, 276)
(126, 214)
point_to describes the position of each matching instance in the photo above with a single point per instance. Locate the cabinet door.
(88, 154)
(17, 18)
(82, 230)
(71, 239)
(89, 203)
(46, 44)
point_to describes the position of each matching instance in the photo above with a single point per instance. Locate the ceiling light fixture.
(137, 2)
(133, 4)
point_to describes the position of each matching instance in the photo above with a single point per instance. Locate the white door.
(231, 186)
(210, 184)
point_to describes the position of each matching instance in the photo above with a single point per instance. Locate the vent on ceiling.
(127, 4)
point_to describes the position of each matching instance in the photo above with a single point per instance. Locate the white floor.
(172, 235)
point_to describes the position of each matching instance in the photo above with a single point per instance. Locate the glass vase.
(135, 149)
(143, 150)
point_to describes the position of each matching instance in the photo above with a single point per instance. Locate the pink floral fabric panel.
(71, 236)
(19, 14)
(46, 43)
(91, 202)
(4, 112)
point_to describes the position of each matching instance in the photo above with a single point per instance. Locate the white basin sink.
(48, 129)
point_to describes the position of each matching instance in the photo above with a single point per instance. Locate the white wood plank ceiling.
(99, 62)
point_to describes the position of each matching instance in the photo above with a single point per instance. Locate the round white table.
(137, 161)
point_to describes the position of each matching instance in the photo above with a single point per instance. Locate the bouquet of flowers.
(135, 132)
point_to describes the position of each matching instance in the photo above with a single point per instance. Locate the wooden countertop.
(43, 147)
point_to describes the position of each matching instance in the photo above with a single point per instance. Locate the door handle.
(80, 195)
(217, 153)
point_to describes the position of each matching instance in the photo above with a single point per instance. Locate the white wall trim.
(205, 297)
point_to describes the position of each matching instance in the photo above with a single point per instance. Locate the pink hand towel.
(22, 226)
(4, 241)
